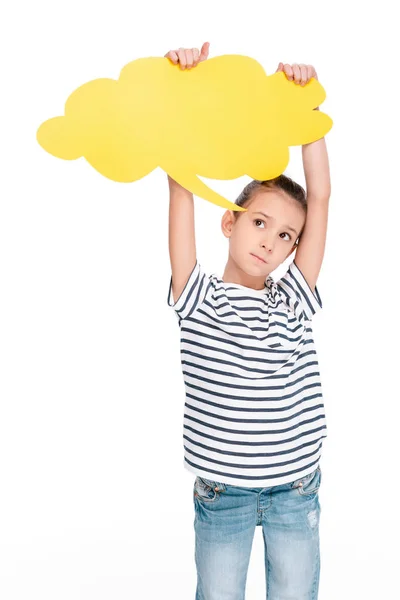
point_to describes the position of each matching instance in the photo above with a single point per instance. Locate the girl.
(254, 417)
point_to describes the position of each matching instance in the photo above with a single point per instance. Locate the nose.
(268, 245)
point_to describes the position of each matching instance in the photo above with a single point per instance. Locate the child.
(254, 416)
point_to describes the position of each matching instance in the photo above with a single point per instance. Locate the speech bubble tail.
(196, 186)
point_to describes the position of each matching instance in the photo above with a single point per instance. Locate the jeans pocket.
(310, 484)
(207, 489)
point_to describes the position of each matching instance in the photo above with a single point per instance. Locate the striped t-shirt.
(254, 413)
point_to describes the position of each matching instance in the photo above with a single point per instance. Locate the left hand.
(300, 74)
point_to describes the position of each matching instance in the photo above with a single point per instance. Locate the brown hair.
(282, 182)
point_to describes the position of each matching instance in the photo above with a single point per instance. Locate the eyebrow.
(258, 212)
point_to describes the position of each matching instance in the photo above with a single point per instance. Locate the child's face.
(271, 238)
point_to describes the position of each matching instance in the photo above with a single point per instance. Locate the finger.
(296, 73)
(204, 51)
(189, 59)
(303, 75)
(196, 56)
(182, 58)
(288, 72)
(280, 68)
(172, 55)
(315, 74)
(310, 70)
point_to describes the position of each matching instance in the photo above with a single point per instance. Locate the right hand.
(188, 58)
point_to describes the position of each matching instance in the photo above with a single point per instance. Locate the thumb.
(204, 51)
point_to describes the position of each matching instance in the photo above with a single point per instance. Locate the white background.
(95, 502)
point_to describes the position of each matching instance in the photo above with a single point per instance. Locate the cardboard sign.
(223, 119)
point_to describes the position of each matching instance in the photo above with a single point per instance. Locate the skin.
(252, 233)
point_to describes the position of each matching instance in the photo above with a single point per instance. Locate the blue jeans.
(225, 520)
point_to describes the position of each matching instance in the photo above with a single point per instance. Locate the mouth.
(259, 259)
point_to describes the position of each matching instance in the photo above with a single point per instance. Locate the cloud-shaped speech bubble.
(221, 120)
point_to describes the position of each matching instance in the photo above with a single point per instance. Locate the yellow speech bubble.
(223, 119)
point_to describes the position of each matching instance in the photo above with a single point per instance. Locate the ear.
(227, 223)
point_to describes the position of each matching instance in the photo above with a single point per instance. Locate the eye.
(261, 221)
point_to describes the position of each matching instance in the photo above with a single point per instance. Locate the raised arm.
(311, 248)
(181, 236)
(182, 243)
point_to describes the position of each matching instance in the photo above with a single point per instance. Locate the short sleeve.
(192, 295)
(297, 294)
